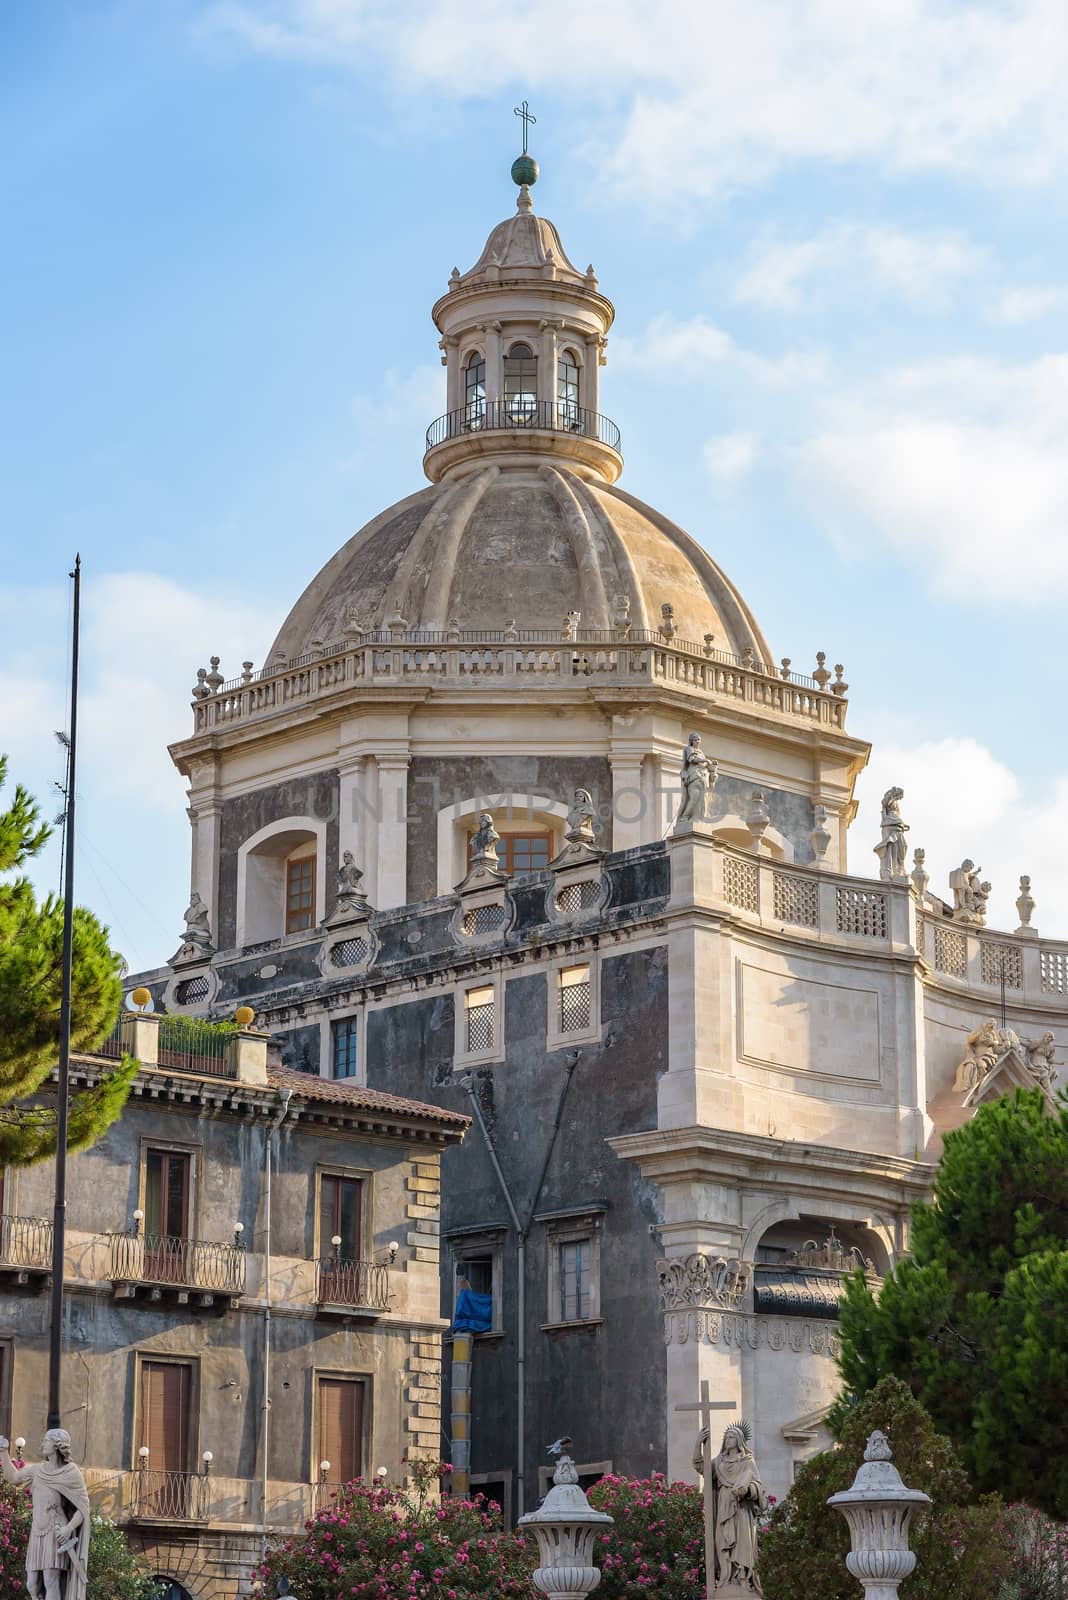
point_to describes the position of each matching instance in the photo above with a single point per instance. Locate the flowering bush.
(115, 1573)
(372, 1543)
(1040, 1570)
(656, 1547)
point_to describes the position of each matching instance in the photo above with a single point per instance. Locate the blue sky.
(835, 237)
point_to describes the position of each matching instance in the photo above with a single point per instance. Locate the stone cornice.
(817, 1173)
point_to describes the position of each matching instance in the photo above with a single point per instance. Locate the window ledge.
(571, 1327)
(481, 1338)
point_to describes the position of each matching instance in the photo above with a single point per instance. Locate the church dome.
(522, 545)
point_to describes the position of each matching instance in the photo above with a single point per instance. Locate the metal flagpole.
(59, 1229)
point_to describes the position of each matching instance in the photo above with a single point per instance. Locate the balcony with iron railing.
(350, 1287)
(198, 1271)
(526, 425)
(25, 1248)
(152, 1495)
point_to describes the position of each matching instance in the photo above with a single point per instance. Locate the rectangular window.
(574, 1267)
(476, 1273)
(167, 1175)
(479, 1020)
(574, 999)
(341, 1217)
(166, 1391)
(342, 1404)
(346, 1032)
(300, 894)
(477, 1266)
(522, 853)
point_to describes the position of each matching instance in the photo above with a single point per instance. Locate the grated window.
(575, 999)
(575, 897)
(483, 919)
(349, 953)
(192, 990)
(479, 1019)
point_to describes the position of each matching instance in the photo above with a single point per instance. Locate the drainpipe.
(521, 1231)
(521, 1327)
(284, 1097)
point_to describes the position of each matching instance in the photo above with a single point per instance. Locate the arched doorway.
(171, 1589)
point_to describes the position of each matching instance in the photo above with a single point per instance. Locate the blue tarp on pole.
(474, 1312)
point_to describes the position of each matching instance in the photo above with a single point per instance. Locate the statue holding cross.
(734, 1497)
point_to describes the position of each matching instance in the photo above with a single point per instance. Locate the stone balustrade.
(452, 659)
(882, 916)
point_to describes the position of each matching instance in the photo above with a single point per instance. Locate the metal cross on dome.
(524, 112)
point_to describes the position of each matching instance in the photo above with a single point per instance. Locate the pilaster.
(391, 888)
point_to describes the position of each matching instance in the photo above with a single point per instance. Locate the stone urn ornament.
(565, 1526)
(878, 1509)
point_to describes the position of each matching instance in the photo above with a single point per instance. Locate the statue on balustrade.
(892, 849)
(739, 1500)
(484, 842)
(197, 934)
(970, 893)
(58, 1549)
(698, 781)
(349, 876)
(582, 824)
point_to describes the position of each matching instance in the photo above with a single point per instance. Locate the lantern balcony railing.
(349, 1285)
(523, 412)
(190, 1266)
(25, 1245)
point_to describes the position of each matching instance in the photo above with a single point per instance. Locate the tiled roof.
(310, 1087)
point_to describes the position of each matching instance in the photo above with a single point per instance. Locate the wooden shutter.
(166, 1387)
(167, 1194)
(340, 1213)
(341, 1427)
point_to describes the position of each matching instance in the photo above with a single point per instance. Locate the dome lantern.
(523, 335)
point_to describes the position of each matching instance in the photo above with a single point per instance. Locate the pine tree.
(976, 1319)
(31, 950)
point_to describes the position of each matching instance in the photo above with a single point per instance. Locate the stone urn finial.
(565, 1526)
(878, 1509)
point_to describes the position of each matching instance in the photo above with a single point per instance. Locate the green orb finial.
(524, 170)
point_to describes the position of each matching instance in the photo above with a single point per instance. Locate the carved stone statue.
(985, 1048)
(739, 1500)
(58, 1550)
(698, 781)
(920, 876)
(582, 824)
(1025, 904)
(349, 876)
(571, 625)
(1038, 1057)
(197, 932)
(484, 842)
(970, 894)
(892, 849)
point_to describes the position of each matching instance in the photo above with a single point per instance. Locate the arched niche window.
(521, 386)
(475, 389)
(567, 391)
(280, 886)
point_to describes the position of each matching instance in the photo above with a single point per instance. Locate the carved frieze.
(702, 1280)
(735, 1330)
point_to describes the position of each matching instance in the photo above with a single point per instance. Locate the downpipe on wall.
(521, 1232)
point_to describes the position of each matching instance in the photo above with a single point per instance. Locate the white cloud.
(992, 819)
(730, 457)
(674, 348)
(401, 408)
(708, 99)
(920, 267)
(1016, 306)
(960, 466)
